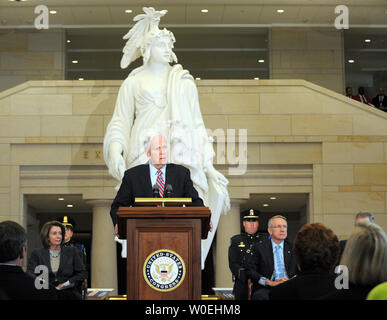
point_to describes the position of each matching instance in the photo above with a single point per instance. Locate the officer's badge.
(241, 245)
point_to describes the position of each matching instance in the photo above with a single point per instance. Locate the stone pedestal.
(229, 225)
(103, 255)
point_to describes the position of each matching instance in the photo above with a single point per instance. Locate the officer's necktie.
(160, 182)
(279, 263)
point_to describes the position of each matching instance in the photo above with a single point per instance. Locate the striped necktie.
(160, 183)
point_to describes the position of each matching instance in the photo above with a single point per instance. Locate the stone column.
(103, 252)
(229, 225)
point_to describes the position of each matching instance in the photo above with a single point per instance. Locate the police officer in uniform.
(239, 252)
(68, 242)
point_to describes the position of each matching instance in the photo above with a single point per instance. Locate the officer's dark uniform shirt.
(80, 248)
(238, 255)
(240, 250)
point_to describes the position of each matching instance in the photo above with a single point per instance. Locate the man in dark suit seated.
(272, 261)
(348, 92)
(380, 101)
(139, 181)
(14, 282)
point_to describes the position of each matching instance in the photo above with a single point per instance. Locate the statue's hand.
(116, 163)
(117, 168)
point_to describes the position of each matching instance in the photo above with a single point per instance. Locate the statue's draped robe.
(176, 114)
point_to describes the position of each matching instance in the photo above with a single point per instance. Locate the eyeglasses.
(278, 227)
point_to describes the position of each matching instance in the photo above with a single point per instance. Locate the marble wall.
(31, 55)
(312, 54)
(302, 138)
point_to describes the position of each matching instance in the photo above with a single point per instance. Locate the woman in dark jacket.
(66, 270)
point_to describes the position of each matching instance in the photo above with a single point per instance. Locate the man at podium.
(157, 178)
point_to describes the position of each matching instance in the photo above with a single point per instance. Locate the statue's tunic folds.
(177, 113)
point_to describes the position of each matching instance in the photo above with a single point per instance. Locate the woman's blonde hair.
(365, 254)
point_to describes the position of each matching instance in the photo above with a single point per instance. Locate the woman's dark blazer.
(308, 285)
(71, 266)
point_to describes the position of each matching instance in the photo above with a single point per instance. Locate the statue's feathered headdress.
(146, 23)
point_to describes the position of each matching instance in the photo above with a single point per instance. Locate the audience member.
(348, 92)
(380, 101)
(240, 250)
(316, 250)
(65, 266)
(361, 216)
(379, 292)
(365, 256)
(14, 282)
(362, 97)
(272, 261)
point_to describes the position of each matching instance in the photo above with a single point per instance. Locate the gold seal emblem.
(164, 270)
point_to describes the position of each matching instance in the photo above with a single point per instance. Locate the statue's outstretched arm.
(117, 136)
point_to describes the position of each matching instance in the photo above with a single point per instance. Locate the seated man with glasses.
(272, 261)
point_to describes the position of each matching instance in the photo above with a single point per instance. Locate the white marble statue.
(163, 97)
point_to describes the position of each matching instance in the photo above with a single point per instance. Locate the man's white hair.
(270, 223)
(150, 136)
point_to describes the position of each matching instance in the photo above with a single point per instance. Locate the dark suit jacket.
(261, 263)
(71, 266)
(137, 183)
(18, 285)
(376, 103)
(3, 295)
(308, 285)
(238, 254)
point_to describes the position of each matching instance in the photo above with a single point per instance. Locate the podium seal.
(164, 270)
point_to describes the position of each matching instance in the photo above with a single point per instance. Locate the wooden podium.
(163, 251)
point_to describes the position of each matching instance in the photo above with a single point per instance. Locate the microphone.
(155, 191)
(168, 190)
